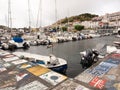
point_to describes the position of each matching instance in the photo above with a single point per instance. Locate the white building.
(108, 20)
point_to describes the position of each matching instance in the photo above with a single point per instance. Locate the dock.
(20, 74)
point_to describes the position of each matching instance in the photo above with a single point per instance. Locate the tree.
(64, 20)
(71, 20)
(64, 28)
(79, 27)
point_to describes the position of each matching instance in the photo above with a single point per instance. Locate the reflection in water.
(70, 51)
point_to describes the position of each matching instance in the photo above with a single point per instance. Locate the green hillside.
(81, 17)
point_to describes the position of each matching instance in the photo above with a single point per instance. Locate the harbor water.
(70, 51)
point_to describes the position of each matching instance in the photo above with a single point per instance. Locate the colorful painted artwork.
(1, 65)
(102, 68)
(97, 83)
(9, 55)
(70, 84)
(8, 88)
(113, 61)
(7, 83)
(2, 69)
(38, 70)
(20, 76)
(10, 59)
(117, 86)
(35, 85)
(112, 85)
(7, 65)
(13, 72)
(114, 73)
(85, 77)
(99, 70)
(19, 62)
(108, 64)
(23, 78)
(24, 66)
(116, 56)
(111, 77)
(1, 61)
(3, 53)
(80, 87)
(53, 77)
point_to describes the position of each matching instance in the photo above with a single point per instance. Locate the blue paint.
(60, 69)
(18, 39)
(113, 61)
(99, 70)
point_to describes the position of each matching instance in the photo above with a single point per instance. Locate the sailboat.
(118, 35)
(16, 41)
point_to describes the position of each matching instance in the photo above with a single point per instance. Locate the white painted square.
(35, 85)
(2, 69)
(2, 53)
(9, 55)
(7, 65)
(19, 61)
(80, 87)
(53, 77)
(10, 59)
(85, 77)
(70, 84)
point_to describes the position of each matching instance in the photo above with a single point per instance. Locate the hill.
(81, 17)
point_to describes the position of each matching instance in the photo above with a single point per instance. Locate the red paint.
(97, 83)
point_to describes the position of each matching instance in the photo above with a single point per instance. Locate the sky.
(49, 12)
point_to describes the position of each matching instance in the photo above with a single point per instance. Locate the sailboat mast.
(55, 19)
(68, 20)
(9, 16)
(8, 13)
(68, 16)
(29, 16)
(56, 13)
(39, 14)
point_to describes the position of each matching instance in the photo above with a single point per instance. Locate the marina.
(72, 55)
(59, 45)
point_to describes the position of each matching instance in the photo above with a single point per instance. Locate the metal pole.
(8, 12)
(29, 16)
(39, 9)
(68, 20)
(41, 14)
(9, 16)
(56, 13)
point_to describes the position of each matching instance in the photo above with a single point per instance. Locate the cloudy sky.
(65, 8)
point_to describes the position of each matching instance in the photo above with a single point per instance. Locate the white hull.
(60, 64)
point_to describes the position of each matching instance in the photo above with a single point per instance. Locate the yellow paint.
(64, 77)
(38, 70)
(25, 66)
